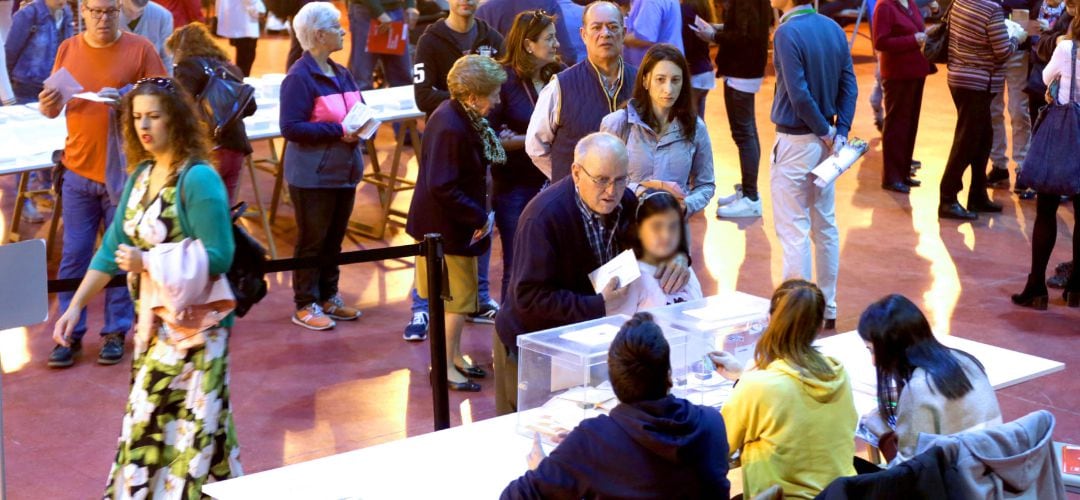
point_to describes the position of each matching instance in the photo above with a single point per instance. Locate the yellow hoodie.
(793, 429)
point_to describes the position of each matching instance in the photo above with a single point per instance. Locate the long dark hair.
(528, 25)
(684, 111)
(797, 312)
(639, 361)
(655, 201)
(903, 341)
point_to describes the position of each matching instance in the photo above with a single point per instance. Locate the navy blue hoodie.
(668, 448)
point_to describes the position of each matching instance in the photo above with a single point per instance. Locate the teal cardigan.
(204, 216)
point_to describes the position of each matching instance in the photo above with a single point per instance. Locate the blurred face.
(660, 234)
(782, 5)
(664, 84)
(463, 8)
(151, 123)
(483, 104)
(603, 32)
(601, 179)
(102, 18)
(133, 8)
(1070, 7)
(870, 347)
(1053, 3)
(546, 46)
(332, 38)
(55, 4)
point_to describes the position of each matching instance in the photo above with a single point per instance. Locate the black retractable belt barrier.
(430, 249)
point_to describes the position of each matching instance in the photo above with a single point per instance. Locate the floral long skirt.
(178, 429)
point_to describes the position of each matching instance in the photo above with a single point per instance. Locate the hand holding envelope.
(64, 84)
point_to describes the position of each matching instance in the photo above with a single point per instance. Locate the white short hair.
(599, 141)
(312, 18)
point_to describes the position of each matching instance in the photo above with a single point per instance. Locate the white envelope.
(65, 83)
(624, 266)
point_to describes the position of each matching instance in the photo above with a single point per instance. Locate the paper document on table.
(838, 163)
(361, 118)
(92, 96)
(597, 335)
(63, 82)
(624, 266)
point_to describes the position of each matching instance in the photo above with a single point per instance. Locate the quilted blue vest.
(584, 103)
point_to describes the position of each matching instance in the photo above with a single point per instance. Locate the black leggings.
(245, 53)
(1044, 236)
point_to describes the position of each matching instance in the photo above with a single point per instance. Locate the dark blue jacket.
(815, 82)
(32, 43)
(500, 15)
(451, 187)
(517, 102)
(313, 106)
(668, 448)
(549, 285)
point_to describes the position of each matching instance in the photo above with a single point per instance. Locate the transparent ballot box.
(729, 321)
(563, 375)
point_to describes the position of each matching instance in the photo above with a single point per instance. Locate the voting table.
(497, 449)
(28, 140)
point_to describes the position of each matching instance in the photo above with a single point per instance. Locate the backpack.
(246, 275)
(223, 99)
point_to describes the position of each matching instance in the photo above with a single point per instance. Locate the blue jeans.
(508, 207)
(396, 69)
(86, 207)
(420, 304)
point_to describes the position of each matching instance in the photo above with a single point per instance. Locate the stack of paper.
(361, 118)
(838, 163)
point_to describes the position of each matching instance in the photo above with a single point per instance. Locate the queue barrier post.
(440, 393)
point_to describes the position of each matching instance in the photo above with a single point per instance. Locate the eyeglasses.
(157, 81)
(605, 182)
(101, 13)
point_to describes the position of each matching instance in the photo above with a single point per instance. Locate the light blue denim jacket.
(32, 43)
(671, 157)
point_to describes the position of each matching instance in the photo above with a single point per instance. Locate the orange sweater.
(127, 61)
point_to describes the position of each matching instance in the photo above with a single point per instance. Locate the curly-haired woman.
(177, 429)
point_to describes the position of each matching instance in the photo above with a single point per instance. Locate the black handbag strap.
(1072, 75)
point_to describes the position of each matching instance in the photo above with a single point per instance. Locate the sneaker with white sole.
(486, 313)
(336, 309)
(416, 330)
(727, 200)
(312, 317)
(743, 207)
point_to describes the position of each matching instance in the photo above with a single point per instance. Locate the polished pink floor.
(300, 395)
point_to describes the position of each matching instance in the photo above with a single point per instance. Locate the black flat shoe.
(955, 211)
(471, 371)
(467, 386)
(1037, 302)
(897, 187)
(912, 182)
(984, 206)
(915, 165)
(998, 178)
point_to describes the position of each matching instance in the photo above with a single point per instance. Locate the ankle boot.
(1034, 295)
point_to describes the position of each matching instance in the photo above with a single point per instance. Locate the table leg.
(12, 233)
(262, 210)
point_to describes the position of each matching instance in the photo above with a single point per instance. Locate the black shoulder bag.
(223, 99)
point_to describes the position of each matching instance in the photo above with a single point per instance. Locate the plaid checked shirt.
(600, 229)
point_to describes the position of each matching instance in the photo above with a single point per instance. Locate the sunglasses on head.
(157, 81)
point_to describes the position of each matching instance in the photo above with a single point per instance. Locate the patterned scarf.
(493, 150)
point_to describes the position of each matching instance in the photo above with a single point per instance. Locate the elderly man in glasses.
(566, 232)
(102, 59)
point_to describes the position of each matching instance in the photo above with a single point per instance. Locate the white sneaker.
(743, 207)
(727, 200)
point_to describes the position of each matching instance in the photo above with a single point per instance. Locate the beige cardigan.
(923, 409)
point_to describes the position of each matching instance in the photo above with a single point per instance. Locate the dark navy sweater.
(668, 448)
(815, 82)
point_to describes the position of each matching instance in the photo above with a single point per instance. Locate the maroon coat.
(894, 38)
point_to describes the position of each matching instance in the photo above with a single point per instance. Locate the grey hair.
(598, 140)
(312, 18)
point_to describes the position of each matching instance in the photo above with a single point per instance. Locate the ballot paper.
(361, 118)
(63, 82)
(485, 231)
(840, 162)
(92, 96)
(624, 266)
(1015, 29)
(597, 335)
